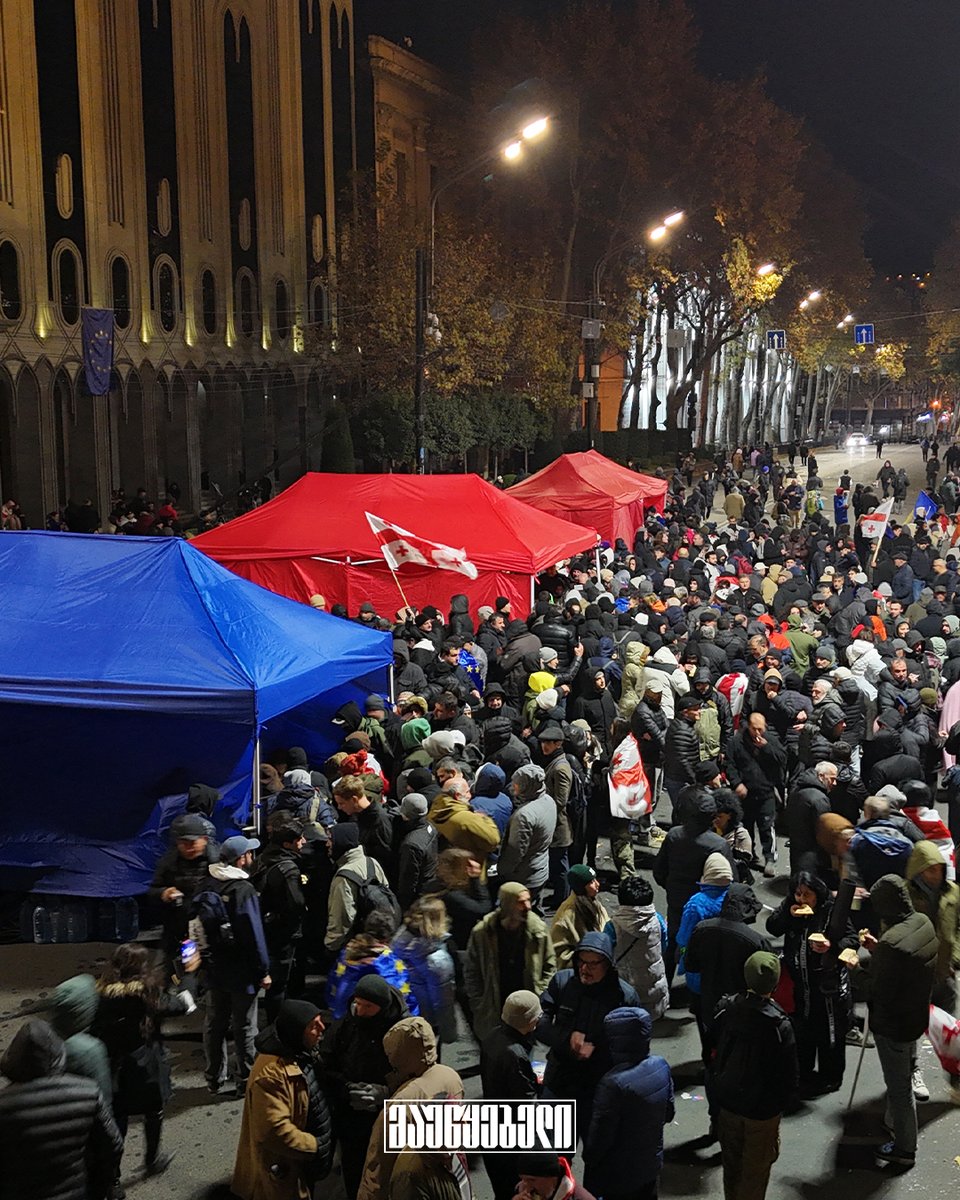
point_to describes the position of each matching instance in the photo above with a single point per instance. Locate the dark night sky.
(877, 80)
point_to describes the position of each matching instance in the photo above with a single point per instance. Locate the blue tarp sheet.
(131, 668)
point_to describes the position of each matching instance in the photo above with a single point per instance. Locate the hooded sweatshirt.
(490, 795)
(941, 905)
(903, 965)
(74, 1007)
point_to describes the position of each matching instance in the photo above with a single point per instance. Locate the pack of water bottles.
(46, 920)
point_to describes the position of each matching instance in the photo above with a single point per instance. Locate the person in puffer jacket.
(706, 902)
(421, 945)
(73, 1009)
(638, 935)
(623, 1149)
(663, 664)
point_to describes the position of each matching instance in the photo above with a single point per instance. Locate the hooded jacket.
(505, 1069)
(705, 903)
(460, 826)
(570, 1006)
(902, 967)
(461, 624)
(481, 968)
(681, 751)
(802, 644)
(72, 1013)
(490, 795)
(525, 857)
(638, 937)
(352, 1052)
(719, 947)
(411, 1049)
(407, 676)
(56, 1131)
(755, 1071)
(942, 906)
(631, 690)
(679, 862)
(632, 1103)
(574, 919)
(662, 664)
(648, 724)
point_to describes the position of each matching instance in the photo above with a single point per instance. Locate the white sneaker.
(920, 1090)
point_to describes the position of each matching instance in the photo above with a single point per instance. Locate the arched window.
(246, 303)
(120, 284)
(319, 305)
(167, 295)
(68, 285)
(208, 300)
(282, 306)
(10, 305)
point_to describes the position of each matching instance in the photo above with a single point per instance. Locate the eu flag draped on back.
(97, 330)
(925, 507)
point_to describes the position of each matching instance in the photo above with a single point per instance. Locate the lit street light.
(513, 150)
(674, 219)
(534, 129)
(658, 234)
(766, 269)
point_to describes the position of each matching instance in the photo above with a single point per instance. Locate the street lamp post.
(424, 268)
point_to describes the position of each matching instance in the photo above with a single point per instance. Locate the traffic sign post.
(776, 339)
(863, 335)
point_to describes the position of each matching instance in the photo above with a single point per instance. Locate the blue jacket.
(705, 903)
(237, 966)
(490, 797)
(632, 1103)
(840, 510)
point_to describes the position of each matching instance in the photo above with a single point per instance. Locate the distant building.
(186, 164)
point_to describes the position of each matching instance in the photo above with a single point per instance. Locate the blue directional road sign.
(776, 339)
(863, 335)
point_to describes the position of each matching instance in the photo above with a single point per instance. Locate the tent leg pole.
(257, 820)
(393, 686)
(533, 592)
(596, 554)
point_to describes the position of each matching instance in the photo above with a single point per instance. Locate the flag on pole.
(96, 325)
(400, 547)
(874, 525)
(925, 507)
(628, 783)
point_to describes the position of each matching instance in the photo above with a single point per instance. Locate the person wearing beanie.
(706, 902)
(417, 855)
(754, 1078)
(286, 1136)
(623, 1148)
(506, 1074)
(353, 870)
(558, 780)
(509, 950)
(581, 913)
(525, 857)
(356, 1069)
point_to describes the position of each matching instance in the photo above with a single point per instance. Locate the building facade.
(187, 164)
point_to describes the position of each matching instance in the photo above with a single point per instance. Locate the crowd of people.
(439, 872)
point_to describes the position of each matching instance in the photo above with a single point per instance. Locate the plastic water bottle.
(39, 929)
(75, 921)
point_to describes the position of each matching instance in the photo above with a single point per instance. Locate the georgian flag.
(400, 547)
(874, 525)
(629, 786)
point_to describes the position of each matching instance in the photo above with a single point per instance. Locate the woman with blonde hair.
(422, 946)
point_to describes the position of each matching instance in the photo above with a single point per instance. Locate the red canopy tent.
(592, 490)
(314, 537)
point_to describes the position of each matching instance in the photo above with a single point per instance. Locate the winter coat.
(806, 804)
(505, 1069)
(276, 876)
(553, 633)
(648, 724)
(465, 907)
(458, 825)
(72, 1013)
(632, 1103)
(942, 907)
(237, 966)
(679, 862)
(460, 621)
(490, 795)
(417, 860)
(352, 1052)
(431, 973)
(525, 857)
(375, 823)
(187, 876)
(58, 1140)
(854, 708)
(720, 946)
(631, 688)
(802, 644)
(810, 972)
(681, 754)
(755, 1071)
(481, 968)
(411, 1049)
(703, 904)
(274, 1127)
(576, 917)
(520, 657)
(342, 903)
(760, 769)
(663, 665)
(599, 710)
(638, 936)
(559, 783)
(570, 1006)
(903, 966)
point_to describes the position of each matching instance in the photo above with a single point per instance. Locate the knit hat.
(444, 743)
(373, 988)
(413, 805)
(548, 654)
(928, 696)
(761, 972)
(827, 653)
(548, 699)
(885, 590)
(579, 877)
(528, 781)
(344, 837)
(541, 1166)
(520, 1010)
(318, 601)
(414, 733)
(717, 870)
(375, 703)
(485, 612)
(292, 1019)
(508, 895)
(704, 771)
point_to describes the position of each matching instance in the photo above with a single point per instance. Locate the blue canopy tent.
(131, 668)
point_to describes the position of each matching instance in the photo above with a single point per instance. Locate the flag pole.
(406, 602)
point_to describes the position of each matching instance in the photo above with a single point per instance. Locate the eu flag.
(97, 331)
(925, 507)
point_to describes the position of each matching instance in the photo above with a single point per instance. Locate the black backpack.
(372, 894)
(211, 909)
(579, 797)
